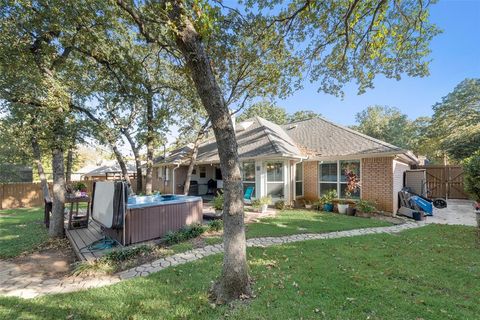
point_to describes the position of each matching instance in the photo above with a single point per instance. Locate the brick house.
(300, 160)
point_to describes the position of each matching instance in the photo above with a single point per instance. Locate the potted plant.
(264, 202)
(353, 184)
(218, 203)
(308, 204)
(256, 204)
(471, 167)
(80, 189)
(326, 201)
(342, 206)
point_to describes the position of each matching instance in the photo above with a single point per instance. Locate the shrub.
(365, 206)
(471, 168)
(280, 205)
(328, 197)
(187, 232)
(215, 225)
(218, 201)
(127, 253)
(256, 204)
(265, 200)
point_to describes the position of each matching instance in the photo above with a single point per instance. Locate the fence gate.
(445, 182)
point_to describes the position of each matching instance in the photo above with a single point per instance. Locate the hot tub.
(151, 217)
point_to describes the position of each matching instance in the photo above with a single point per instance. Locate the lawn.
(427, 273)
(289, 222)
(21, 230)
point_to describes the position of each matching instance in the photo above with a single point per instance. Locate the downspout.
(173, 178)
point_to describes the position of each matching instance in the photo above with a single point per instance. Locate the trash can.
(418, 215)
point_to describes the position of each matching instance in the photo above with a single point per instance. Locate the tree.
(303, 115)
(266, 110)
(455, 126)
(345, 42)
(387, 124)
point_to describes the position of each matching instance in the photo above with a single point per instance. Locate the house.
(300, 160)
(106, 170)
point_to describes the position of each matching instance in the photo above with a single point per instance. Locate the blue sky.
(455, 56)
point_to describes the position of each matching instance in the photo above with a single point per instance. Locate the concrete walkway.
(16, 283)
(457, 212)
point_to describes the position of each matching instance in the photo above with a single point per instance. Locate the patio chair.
(247, 197)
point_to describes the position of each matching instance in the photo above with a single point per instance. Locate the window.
(275, 183)
(248, 174)
(332, 176)
(299, 179)
(203, 171)
(162, 172)
(194, 171)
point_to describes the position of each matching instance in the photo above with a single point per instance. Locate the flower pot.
(264, 208)
(342, 208)
(418, 216)
(351, 211)
(328, 207)
(308, 206)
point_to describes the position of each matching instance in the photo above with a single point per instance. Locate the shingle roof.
(328, 139)
(315, 138)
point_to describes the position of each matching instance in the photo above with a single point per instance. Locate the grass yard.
(21, 230)
(427, 273)
(289, 222)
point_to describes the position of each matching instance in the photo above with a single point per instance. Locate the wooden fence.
(27, 194)
(445, 182)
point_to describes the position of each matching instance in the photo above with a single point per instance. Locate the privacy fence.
(27, 194)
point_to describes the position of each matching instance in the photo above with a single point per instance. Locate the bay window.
(275, 179)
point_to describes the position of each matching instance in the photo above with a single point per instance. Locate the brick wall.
(310, 182)
(377, 182)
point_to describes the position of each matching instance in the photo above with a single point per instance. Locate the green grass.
(289, 222)
(21, 230)
(427, 273)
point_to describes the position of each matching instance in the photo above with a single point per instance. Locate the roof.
(328, 139)
(315, 138)
(256, 137)
(113, 168)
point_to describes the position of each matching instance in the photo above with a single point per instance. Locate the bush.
(186, 233)
(328, 197)
(471, 167)
(218, 201)
(215, 225)
(280, 205)
(365, 206)
(126, 254)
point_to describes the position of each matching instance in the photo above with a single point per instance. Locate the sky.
(455, 56)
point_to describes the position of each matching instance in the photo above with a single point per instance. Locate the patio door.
(275, 182)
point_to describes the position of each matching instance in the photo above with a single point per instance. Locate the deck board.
(80, 239)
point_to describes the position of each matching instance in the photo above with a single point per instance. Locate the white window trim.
(283, 182)
(339, 182)
(302, 181)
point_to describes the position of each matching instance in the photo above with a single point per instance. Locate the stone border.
(14, 283)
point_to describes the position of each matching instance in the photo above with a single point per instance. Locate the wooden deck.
(80, 239)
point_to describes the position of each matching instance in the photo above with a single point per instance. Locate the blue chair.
(247, 197)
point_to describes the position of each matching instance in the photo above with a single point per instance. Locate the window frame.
(282, 183)
(297, 181)
(339, 181)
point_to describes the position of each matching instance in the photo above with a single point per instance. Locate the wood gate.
(445, 182)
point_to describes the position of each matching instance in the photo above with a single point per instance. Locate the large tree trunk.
(56, 229)
(121, 163)
(150, 144)
(69, 165)
(37, 155)
(234, 282)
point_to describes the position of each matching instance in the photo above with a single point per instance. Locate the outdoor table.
(73, 217)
